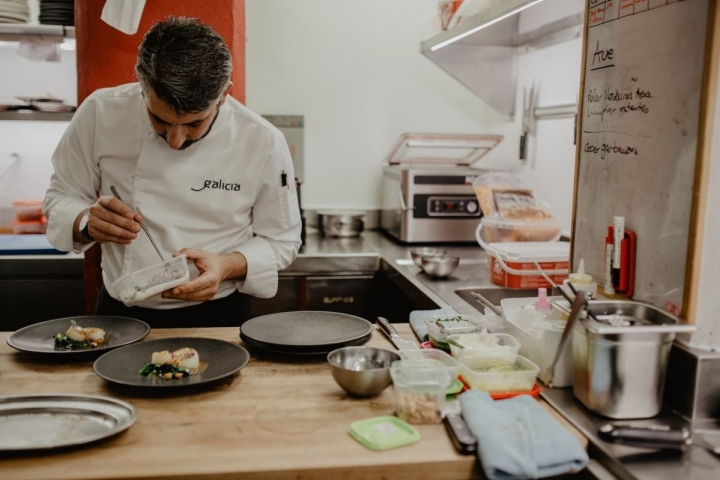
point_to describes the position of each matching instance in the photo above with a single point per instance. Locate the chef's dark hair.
(185, 62)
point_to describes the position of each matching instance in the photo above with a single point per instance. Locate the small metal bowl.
(362, 371)
(439, 266)
(418, 253)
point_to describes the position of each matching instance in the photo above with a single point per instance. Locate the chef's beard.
(187, 143)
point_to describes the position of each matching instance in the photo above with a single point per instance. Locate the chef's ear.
(225, 93)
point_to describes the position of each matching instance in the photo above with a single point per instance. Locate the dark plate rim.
(370, 327)
(171, 384)
(101, 348)
(323, 350)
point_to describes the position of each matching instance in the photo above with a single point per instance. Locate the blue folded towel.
(518, 439)
(417, 320)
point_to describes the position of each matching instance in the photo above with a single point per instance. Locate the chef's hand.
(213, 269)
(111, 221)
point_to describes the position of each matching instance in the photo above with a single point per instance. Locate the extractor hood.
(481, 51)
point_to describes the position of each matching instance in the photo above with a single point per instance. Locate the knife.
(394, 336)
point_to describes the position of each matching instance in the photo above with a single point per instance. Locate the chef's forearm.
(235, 266)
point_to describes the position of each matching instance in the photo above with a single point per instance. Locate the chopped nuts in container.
(420, 387)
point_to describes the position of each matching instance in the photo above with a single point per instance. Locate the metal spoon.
(112, 189)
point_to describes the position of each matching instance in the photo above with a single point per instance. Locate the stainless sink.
(493, 294)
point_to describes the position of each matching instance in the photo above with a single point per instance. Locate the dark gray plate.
(320, 350)
(305, 330)
(123, 365)
(41, 422)
(39, 337)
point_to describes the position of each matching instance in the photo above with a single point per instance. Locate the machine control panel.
(456, 206)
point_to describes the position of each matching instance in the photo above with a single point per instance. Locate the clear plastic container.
(499, 375)
(439, 328)
(496, 345)
(539, 338)
(451, 365)
(23, 228)
(28, 210)
(137, 286)
(496, 230)
(420, 387)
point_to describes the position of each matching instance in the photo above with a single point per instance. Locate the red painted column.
(106, 58)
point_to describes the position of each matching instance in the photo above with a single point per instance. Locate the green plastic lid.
(383, 433)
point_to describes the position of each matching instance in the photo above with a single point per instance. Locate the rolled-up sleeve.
(276, 225)
(75, 181)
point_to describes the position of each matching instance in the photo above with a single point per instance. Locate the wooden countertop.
(276, 419)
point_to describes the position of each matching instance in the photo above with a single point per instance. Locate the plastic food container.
(137, 286)
(513, 265)
(539, 341)
(496, 345)
(36, 227)
(28, 210)
(496, 230)
(420, 387)
(499, 375)
(439, 328)
(451, 365)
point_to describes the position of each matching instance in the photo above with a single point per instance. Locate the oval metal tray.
(42, 422)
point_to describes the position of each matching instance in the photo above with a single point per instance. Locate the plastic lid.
(382, 433)
(441, 149)
(542, 303)
(580, 277)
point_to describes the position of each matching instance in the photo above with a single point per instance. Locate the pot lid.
(441, 148)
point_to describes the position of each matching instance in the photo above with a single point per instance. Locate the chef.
(206, 176)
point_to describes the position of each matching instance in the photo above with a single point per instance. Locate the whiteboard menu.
(638, 137)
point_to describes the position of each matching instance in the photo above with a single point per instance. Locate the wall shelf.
(14, 32)
(37, 116)
(481, 52)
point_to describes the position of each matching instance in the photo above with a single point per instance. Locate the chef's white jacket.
(223, 194)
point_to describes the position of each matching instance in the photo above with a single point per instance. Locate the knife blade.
(394, 336)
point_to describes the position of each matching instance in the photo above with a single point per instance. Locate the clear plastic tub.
(420, 387)
(539, 339)
(496, 345)
(451, 365)
(439, 328)
(137, 286)
(499, 375)
(496, 230)
(28, 210)
(24, 228)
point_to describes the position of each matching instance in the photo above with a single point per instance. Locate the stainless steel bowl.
(439, 266)
(340, 223)
(362, 371)
(417, 253)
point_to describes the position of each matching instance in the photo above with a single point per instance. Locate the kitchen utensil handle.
(647, 436)
(387, 328)
(486, 303)
(117, 195)
(460, 434)
(580, 303)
